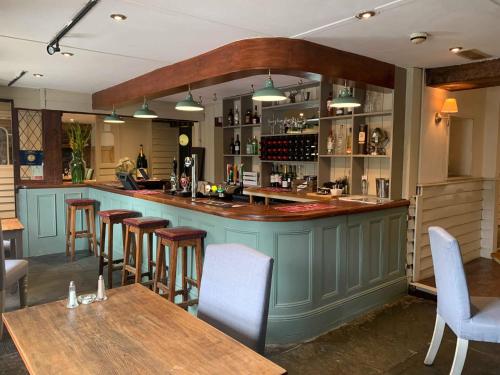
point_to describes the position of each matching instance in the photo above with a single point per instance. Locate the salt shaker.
(101, 290)
(72, 301)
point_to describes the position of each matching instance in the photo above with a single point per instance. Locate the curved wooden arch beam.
(246, 58)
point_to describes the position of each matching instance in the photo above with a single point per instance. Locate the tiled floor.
(392, 340)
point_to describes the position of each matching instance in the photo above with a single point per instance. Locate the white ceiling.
(161, 32)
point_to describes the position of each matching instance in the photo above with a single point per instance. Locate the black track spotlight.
(53, 48)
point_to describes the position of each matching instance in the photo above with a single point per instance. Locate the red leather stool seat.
(180, 233)
(146, 222)
(80, 202)
(118, 214)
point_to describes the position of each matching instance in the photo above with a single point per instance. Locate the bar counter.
(332, 263)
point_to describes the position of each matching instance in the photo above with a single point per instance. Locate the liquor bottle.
(362, 149)
(273, 176)
(248, 148)
(329, 108)
(231, 146)
(348, 146)
(330, 142)
(230, 117)
(236, 116)
(248, 116)
(340, 141)
(255, 117)
(237, 145)
(142, 162)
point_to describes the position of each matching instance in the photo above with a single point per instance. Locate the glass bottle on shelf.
(340, 141)
(236, 116)
(284, 179)
(362, 146)
(348, 146)
(231, 146)
(230, 117)
(330, 142)
(254, 146)
(248, 149)
(248, 116)
(255, 118)
(237, 145)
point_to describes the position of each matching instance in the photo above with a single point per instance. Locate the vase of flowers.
(126, 165)
(78, 138)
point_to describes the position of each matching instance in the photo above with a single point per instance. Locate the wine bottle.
(237, 145)
(230, 117)
(362, 139)
(142, 162)
(255, 118)
(272, 176)
(236, 116)
(248, 116)
(231, 146)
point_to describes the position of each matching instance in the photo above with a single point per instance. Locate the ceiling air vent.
(473, 54)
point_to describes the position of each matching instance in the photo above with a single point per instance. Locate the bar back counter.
(331, 263)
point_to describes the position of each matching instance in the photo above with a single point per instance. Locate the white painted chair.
(234, 293)
(470, 318)
(12, 271)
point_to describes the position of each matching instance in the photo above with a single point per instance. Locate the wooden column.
(52, 138)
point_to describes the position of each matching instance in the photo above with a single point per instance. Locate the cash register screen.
(127, 181)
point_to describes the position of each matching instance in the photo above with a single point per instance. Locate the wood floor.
(483, 278)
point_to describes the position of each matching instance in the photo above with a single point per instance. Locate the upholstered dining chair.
(12, 271)
(234, 293)
(470, 318)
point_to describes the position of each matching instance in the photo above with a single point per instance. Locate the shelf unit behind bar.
(387, 113)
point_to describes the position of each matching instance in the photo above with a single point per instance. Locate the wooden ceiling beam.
(245, 58)
(466, 76)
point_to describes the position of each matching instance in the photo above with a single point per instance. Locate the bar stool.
(138, 227)
(175, 238)
(110, 218)
(72, 207)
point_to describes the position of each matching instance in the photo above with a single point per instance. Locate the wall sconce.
(449, 106)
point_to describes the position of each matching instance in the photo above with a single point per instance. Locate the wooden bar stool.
(110, 218)
(138, 227)
(72, 207)
(175, 238)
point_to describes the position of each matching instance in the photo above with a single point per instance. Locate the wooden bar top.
(256, 212)
(134, 331)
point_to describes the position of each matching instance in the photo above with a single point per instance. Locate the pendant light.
(269, 93)
(345, 99)
(113, 118)
(189, 104)
(145, 112)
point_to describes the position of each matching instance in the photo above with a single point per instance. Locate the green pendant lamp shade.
(189, 104)
(145, 112)
(345, 99)
(269, 93)
(113, 118)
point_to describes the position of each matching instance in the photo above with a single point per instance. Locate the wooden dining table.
(134, 331)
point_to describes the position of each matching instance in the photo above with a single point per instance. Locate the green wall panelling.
(326, 272)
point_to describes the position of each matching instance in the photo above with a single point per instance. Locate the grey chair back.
(453, 293)
(234, 295)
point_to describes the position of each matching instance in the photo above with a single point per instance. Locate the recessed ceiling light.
(118, 17)
(67, 54)
(365, 14)
(37, 75)
(455, 49)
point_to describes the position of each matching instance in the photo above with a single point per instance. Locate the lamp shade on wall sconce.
(345, 99)
(145, 112)
(449, 106)
(189, 104)
(268, 93)
(113, 118)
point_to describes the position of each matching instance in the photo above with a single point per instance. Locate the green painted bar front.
(327, 271)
